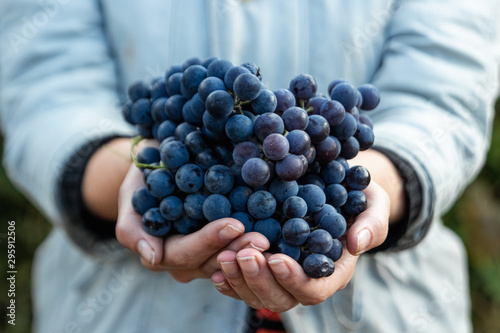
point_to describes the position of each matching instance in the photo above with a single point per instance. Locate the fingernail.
(249, 265)
(229, 268)
(219, 285)
(279, 267)
(146, 251)
(252, 245)
(229, 232)
(364, 239)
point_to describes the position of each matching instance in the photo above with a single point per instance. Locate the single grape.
(209, 85)
(358, 177)
(336, 195)
(275, 146)
(266, 101)
(192, 77)
(239, 128)
(289, 168)
(327, 208)
(270, 228)
(246, 219)
(158, 89)
(294, 207)
(299, 142)
(154, 224)
(216, 206)
(219, 179)
(138, 90)
(219, 104)
(335, 251)
(244, 151)
(371, 96)
(140, 112)
(268, 123)
(346, 128)
(281, 246)
(186, 225)
(319, 241)
(239, 198)
(318, 265)
(173, 107)
(333, 172)
(295, 118)
(334, 223)
(346, 94)
(148, 155)
(193, 205)
(171, 208)
(333, 112)
(174, 154)
(327, 150)
(285, 99)
(313, 196)
(218, 68)
(255, 172)
(247, 86)
(160, 183)
(182, 130)
(318, 128)
(303, 87)
(142, 200)
(231, 74)
(349, 148)
(315, 104)
(295, 231)
(261, 205)
(158, 110)
(356, 203)
(196, 142)
(282, 189)
(173, 84)
(365, 137)
(189, 178)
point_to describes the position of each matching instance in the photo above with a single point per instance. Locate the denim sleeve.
(438, 79)
(58, 97)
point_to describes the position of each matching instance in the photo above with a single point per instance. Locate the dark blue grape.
(247, 87)
(173, 84)
(186, 225)
(356, 203)
(364, 119)
(239, 128)
(290, 168)
(191, 79)
(140, 112)
(346, 128)
(231, 74)
(239, 198)
(313, 196)
(318, 266)
(148, 155)
(327, 150)
(275, 147)
(173, 108)
(303, 87)
(213, 125)
(215, 207)
(332, 85)
(247, 220)
(315, 104)
(270, 228)
(299, 142)
(158, 89)
(219, 104)
(358, 178)
(371, 96)
(196, 142)
(364, 135)
(142, 200)
(281, 246)
(171, 208)
(333, 112)
(285, 99)
(335, 251)
(219, 179)
(319, 241)
(295, 118)
(126, 109)
(346, 94)
(255, 172)
(317, 216)
(334, 223)
(333, 172)
(336, 195)
(318, 128)
(266, 101)
(209, 85)
(261, 205)
(193, 205)
(205, 63)
(253, 68)
(189, 178)
(349, 148)
(244, 151)
(312, 179)
(218, 68)
(158, 110)
(294, 207)
(160, 183)
(268, 123)
(343, 161)
(182, 130)
(282, 189)
(138, 90)
(174, 154)
(154, 224)
(190, 62)
(295, 231)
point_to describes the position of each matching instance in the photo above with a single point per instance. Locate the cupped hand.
(186, 257)
(278, 283)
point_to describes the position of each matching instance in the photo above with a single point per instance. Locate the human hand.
(186, 257)
(278, 283)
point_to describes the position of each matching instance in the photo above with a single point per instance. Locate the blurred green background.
(475, 217)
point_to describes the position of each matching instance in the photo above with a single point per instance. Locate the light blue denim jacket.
(65, 66)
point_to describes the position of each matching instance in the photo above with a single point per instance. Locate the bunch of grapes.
(274, 160)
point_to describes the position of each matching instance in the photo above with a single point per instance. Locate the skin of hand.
(278, 283)
(108, 184)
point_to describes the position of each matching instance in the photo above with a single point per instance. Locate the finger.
(308, 291)
(228, 263)
(371, 226)
(129, 231)
(191, 251)
(222, 285)
(261, 281)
